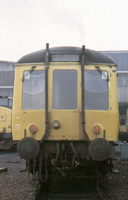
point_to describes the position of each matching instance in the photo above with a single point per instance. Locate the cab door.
(64, 102)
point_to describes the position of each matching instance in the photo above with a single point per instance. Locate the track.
(70, 189)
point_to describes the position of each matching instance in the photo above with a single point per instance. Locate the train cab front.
(65, 111)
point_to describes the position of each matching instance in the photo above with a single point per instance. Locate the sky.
(27, 25)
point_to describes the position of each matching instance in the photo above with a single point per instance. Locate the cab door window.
(65, 86)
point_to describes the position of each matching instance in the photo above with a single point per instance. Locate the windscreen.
(96, 90)
(33, 95)
(64, 89)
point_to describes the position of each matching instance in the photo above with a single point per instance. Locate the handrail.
(82, 94)
(46, 92)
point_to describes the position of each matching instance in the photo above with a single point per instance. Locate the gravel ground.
(14, 185)
(115, 185)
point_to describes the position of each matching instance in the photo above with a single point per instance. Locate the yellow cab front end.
(70, 120)
(61, 127)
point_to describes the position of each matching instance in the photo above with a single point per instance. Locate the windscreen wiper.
(29, 72)
(102, 72)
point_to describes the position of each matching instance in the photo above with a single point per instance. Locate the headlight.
(56, 124)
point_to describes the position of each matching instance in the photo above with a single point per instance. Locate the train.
(65, 111)
(6, 123)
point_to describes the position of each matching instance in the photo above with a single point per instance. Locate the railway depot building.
(6, 78)
(121, 59)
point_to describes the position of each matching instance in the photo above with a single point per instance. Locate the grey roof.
(90, 55)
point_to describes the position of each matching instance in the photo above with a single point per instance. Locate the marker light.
(32, 128)
(56, 124)
(96, 129)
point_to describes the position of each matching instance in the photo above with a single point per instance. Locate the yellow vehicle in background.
(5, 123)
(123, 133)
(65, 111)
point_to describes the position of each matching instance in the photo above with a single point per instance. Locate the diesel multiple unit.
(65, 111)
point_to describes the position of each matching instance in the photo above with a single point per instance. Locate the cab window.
(96, 90)
(33, 94)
